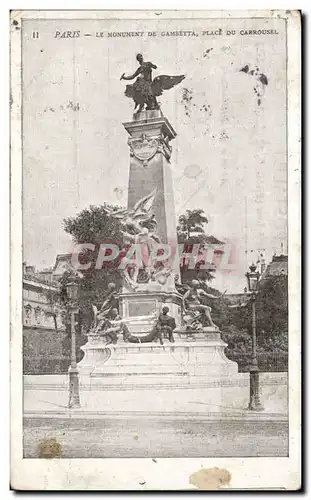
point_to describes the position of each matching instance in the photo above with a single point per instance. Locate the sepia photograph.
(155, 179)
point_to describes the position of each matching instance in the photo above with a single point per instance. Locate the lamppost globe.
(72, 288)
(252, 278)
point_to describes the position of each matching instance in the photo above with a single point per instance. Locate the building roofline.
(61, 257)
(37, 282)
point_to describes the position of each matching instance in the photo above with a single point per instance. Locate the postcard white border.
(171, 474)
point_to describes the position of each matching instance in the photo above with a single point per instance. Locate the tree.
(192, 222)
(271, 315)
(96, 225)
(239, 340)
(272, 312)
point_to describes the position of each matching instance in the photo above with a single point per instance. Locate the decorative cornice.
(150, 125)
(37, 282)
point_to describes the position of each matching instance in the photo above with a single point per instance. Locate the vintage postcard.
(155, 242)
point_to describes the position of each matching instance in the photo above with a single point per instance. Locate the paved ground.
(47, 395)
(163, 437)
(211, 420)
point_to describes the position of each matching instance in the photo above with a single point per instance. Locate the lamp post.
(74, 397)
(254, 399)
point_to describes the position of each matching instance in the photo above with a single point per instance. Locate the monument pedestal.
(191, 359)
(148, 303)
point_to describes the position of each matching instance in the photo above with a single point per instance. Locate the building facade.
(44, 329)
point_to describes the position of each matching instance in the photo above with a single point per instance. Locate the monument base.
(148, 303)
(193, 357)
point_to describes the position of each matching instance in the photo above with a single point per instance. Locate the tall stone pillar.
(150, 171)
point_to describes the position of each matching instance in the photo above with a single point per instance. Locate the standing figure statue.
(148, 240)
(192, 303)
(144, 90)
(139, 227)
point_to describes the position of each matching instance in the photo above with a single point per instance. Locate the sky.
(229, 156)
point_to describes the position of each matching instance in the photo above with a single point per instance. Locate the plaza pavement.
(46, 396)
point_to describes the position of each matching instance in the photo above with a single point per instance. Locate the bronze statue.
(120, 325)
(111, 301)
(197, 314)
(109, 331)
(139, 227)
(144, 90)
(165, 326)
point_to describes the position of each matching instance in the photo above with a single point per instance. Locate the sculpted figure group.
(108, 324)
(139, 228)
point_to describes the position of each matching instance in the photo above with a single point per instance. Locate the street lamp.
(254, 399)
(74, 398)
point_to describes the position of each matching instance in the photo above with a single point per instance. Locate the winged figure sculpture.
(140, 215)
(139, 226)
(144, 91)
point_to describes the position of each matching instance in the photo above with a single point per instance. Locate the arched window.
(27, 314)
(38, 314)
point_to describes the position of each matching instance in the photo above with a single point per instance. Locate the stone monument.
(159, 336)
(150, 172)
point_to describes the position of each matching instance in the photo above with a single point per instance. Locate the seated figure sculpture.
(165, 326)
(111, 326)
(195, 312)
(109, 332)
(119, 324)
(101, 316)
